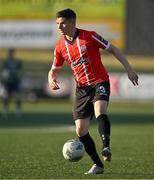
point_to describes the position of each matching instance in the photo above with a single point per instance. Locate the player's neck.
(72, 35)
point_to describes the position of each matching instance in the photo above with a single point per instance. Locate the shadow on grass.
(49, 119)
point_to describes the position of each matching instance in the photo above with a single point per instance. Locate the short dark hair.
(66, 13)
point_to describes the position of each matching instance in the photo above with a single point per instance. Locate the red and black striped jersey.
(83, 56)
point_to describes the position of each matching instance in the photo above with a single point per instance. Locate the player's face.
(65, 26)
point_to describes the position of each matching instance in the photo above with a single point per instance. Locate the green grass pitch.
(31, 146)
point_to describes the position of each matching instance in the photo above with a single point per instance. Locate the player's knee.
(81, 131)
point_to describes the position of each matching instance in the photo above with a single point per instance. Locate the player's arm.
(52, 78)
(120, 56)
(54, 71)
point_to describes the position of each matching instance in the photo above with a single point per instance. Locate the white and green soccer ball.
(73, 150)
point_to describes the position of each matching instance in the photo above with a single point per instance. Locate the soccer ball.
(73, 150)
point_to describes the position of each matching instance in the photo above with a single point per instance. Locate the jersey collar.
(74, 38)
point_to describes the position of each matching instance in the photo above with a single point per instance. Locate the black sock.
(91, 149)
(104, 128)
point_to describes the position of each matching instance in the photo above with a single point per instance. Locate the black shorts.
(86, 96)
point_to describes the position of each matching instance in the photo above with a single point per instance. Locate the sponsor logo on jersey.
(81, 61)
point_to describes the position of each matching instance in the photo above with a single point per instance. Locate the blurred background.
(28, 27)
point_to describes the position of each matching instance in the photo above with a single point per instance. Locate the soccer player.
(11, 78)
(80, 49)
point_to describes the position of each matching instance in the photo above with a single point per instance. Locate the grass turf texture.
(31, 146)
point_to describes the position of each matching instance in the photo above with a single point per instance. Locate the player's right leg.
(82, 126)
(83, 110)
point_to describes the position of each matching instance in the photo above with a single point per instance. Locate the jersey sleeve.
(58, 59)
(99, 41)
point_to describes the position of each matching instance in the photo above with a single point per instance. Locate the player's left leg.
(104, 127)
(101, 99)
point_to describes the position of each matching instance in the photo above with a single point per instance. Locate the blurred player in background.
(11, 79)
(80, 49)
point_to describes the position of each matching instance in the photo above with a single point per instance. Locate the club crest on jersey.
(83, 48)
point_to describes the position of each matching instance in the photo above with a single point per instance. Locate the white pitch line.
(52, 129)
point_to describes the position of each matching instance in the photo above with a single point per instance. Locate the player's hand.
(52, 79)
(133, 77)
(53, 84)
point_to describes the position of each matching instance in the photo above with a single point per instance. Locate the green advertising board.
(108, 14)
(46, 9)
